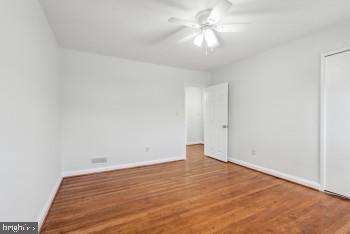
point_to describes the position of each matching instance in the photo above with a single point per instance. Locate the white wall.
(194, 115)
(30, 163)
(274, 104)
(116, 108)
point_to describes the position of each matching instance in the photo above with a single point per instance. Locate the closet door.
(337, 124)
(216, 122)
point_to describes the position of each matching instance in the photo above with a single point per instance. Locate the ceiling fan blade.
(173, 34)
(188, 38)
(219, 11)
(230, 27)
(187, 23)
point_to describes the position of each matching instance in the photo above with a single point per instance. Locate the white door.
(216, 122)
(337, 124)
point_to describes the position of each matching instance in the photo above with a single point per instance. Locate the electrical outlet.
(99, 160)
(147, 149)
(253, 152)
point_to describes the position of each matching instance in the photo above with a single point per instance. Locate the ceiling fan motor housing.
(203, 16)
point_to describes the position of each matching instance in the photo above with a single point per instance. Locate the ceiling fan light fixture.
(210, 38)
(198, 41)
(206, 22)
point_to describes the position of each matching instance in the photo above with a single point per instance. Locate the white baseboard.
(195, 143)
(48, 202)
(120, 166)
(282, 175)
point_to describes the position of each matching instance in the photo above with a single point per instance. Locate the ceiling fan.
(207, 24)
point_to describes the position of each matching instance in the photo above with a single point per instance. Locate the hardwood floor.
(199, 195)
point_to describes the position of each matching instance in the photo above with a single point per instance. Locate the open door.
(337, 124)
(216, 122)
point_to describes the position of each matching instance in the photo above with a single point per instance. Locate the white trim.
(323, 116)
(322, 123)
(195, 143)
(282, 175)
(48, 202)
(120, 166)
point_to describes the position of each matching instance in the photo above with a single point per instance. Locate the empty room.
(175, 116)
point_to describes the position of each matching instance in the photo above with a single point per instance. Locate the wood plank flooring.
(199, 195)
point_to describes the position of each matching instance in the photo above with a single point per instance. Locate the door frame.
(323, 94)
(197, 85)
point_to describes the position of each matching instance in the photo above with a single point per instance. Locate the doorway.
(206, 119)
(194, 115)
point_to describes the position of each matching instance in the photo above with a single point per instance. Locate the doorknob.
(224, 126)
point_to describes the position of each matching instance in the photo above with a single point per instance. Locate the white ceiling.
(139, 30)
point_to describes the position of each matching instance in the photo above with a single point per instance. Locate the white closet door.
(216, 122)
(337, 124)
